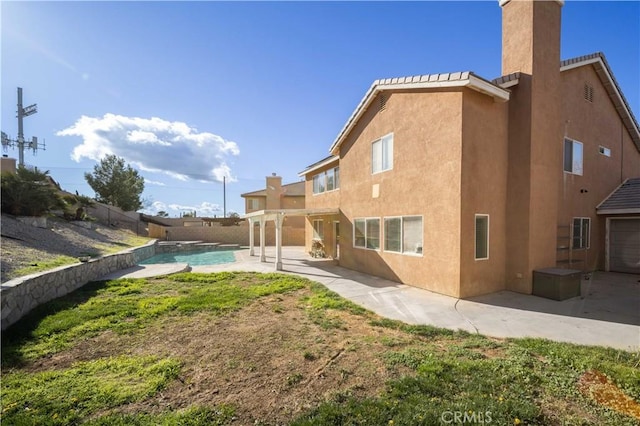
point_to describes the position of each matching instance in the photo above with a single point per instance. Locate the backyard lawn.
(259, 349)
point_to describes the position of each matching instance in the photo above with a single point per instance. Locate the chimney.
(274, 191)
(530, 36)
(531, 46)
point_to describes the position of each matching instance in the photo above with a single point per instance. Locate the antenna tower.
(33, 144)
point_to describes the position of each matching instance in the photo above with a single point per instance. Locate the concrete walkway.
(608, 313)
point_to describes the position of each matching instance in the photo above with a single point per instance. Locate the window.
(318, 230)
(573, 157)
(254, 204)
(366, 233)
(482, 236)
(326, 181)
(403, 234)
(382, 154)
(604, 151)
(581, 228)
(330, 176)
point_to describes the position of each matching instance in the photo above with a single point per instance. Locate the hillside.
(26, 249)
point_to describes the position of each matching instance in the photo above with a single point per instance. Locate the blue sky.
(188, 92)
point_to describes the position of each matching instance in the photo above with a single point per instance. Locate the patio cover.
(262, 216)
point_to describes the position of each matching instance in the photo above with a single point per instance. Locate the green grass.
(130, 305)
(44, 265)
(436, 372)
(511, 388)
(61, 397)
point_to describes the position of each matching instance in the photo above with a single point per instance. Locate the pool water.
(216, 257)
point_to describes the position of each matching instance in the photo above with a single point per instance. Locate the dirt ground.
(25, 245)
(268, 360)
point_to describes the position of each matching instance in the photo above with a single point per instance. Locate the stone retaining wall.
(21, 295)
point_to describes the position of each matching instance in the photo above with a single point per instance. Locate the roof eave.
(611, 85)
(618, 211)
(472, 82)
(319, 165)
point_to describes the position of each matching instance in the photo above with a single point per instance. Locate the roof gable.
(417, 82)
(295, 189)
(610, 84)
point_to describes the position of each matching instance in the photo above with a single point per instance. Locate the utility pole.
(224, 195)
(19, 142)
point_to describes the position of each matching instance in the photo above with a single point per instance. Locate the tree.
(116, 183)
(29, 192)
(162, 213)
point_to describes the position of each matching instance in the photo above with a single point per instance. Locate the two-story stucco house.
(464, 185)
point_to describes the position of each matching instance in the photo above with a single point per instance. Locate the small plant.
(317, 249)
(309, 356)
(294, 379)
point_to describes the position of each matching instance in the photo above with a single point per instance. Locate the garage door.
(624, 245)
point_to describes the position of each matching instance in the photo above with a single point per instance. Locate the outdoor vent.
(588, 93)
(382, 99)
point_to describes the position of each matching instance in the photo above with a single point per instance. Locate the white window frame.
(385, 149)
(604, 151)
(475, 236)
(318, 235)
(577, 166)
(320, 183)
(403, 249)
(366, 237)
(254, 203)
(581, 245)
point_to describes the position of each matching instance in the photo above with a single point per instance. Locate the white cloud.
(154, 145)
(153, 182)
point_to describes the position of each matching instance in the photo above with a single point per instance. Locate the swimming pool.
(197, 258)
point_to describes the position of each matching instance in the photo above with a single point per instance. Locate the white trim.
(320, 165)
(619, 211)
(475, 235)
(573, 143)
(403, 251)
(509, 83)
(381, 140)
(582, 237)
(353, 233)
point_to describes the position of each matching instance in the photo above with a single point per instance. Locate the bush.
(29, 192)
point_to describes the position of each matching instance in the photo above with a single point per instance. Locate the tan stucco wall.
(484, 191)
(425, 180)
(531, 46)
(594, 124)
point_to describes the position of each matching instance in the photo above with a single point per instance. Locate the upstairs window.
(328, 180)
(573, 157)
(382, 154)
(254, 204)
(604, 151)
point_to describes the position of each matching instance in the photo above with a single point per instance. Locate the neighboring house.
(465, 186)
(277, 196)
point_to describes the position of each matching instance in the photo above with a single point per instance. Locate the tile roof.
(603, 70)
(625, 199)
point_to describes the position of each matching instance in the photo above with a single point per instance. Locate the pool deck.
(148, 271)
(607, 313)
